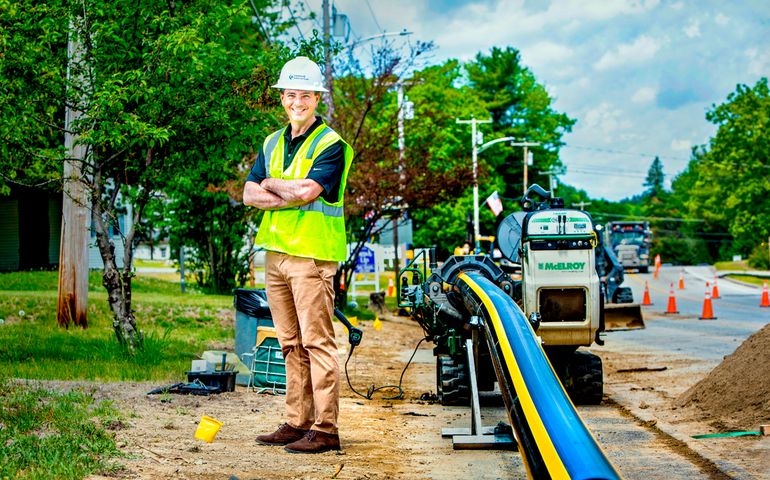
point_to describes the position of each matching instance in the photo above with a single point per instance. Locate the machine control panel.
(559, 222)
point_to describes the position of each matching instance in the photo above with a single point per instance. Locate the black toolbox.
(224, 381)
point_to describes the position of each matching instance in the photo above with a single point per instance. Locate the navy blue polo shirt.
(326, 170)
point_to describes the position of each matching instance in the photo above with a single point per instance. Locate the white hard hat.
(301, 73)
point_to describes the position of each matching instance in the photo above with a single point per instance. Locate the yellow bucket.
(207, 429)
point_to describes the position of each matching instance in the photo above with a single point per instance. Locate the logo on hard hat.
(298, 77)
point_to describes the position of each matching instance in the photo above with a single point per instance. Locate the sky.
(637, 75)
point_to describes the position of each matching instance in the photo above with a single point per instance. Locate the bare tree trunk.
(117, 283)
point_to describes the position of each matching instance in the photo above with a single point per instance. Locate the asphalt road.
(737, 311)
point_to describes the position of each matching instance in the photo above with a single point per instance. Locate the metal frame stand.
(478, 436)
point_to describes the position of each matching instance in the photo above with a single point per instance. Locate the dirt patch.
(737, 391)
(634, 378)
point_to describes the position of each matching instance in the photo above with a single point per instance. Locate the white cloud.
(721, 19)
(605, 119)
(644, 95)
(543, 54)
(679, 145)
(560, 10)
(759, 61)
(549, 52)
(477, 25)
(638, 51)
(693, 29)
(677, 6)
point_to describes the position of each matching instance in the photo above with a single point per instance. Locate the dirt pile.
(736, 394)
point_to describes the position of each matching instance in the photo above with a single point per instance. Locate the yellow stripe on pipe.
(551, 457)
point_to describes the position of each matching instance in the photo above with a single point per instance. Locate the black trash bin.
(251, 312)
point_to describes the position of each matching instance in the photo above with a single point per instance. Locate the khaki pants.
(301, 296)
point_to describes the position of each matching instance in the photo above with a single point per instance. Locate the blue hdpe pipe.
(553, 440)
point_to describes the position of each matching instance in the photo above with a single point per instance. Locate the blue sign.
(365, 263)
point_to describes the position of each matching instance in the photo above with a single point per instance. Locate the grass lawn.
(46, 434)
(177, 328)
(741, 266)
(749, 279)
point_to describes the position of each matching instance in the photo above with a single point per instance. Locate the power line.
(374, 17)
(315, 20)
(259, 21)
(605, 173)
(621, 152)
(296, 23)
(603, 167)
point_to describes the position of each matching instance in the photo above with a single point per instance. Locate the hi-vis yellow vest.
(317, 229)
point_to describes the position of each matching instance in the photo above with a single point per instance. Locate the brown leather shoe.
(315, 442)
(284, 435)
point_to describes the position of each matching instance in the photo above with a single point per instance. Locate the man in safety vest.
(299, 181)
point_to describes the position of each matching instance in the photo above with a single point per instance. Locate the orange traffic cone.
(765, 298)
(646, 299)
(342, 281)
(681, 280)
(657, 267)
(391, 288)
(715, 291)
(708, 311)
(671, 301)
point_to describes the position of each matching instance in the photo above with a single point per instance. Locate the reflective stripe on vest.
(269, 147)
(311, 150)
(319, 206)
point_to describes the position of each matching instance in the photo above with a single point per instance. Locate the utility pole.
(474, 142)
(551, 183)
(526, 157)
(327, 36)
(72, 304)
(402, 115)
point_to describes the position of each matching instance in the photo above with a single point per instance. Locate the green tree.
(730, 176)
(170, 96)
(655, 178)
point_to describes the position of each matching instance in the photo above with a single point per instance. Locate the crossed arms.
(275, 194)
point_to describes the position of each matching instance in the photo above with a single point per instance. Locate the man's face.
(300, 105)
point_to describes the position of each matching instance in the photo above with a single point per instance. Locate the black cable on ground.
(372, 389)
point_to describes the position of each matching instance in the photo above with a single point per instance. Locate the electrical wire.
(372, 389)
(606, 173)
(296, 23)
(374, 17)
(315, 19)
(259, 21)
(621, 152)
